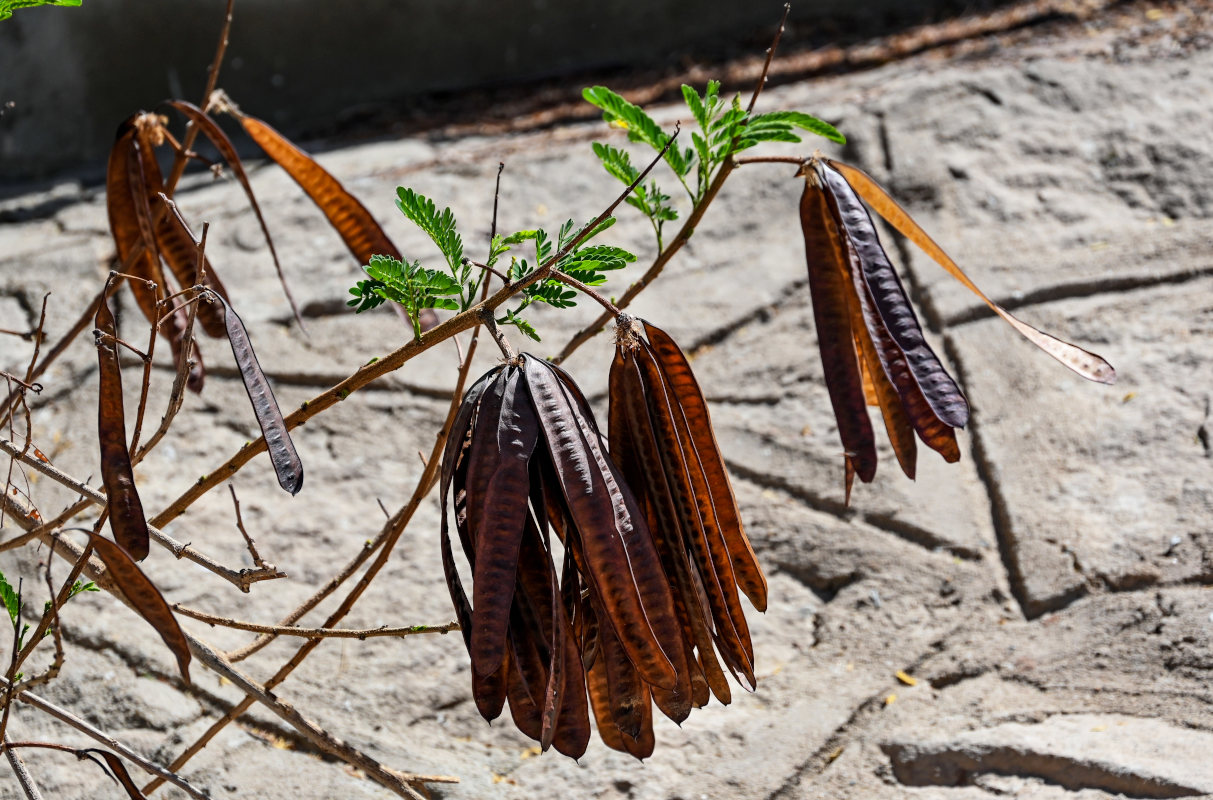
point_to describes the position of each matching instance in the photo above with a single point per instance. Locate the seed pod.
(891, 300)
(145, 597)
(126, 518)
(525, 460)
(1085, 363)
(132, 179)
(835, 341)
(278, 444)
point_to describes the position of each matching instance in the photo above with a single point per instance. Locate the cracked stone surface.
(1035, 621)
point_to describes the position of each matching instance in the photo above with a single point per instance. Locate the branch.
(23, 777)
(100, 736)
(243, 578)
(313, 633)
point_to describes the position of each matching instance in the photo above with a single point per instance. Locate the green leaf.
(11, 600)
(639, 125)
(695, 103)
(7, 7)
(800, 120)
(511, 318)
(440, 227)
(408, 284)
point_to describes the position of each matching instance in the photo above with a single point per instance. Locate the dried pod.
(872, 346)
(350, 219)
(125, 509)
(525, 459)
(278, 444)
(661, 435)
(145, 597)
(133, 181)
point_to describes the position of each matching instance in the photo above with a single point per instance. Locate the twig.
(103, 738)
(396, 781)
(248, 540)
(384, 543)
(766, 65)
(39, 335)
(243, 578)
(504, 278)
(586, 290)
(23, 777)
(393, 361)
(490, 322)
(680, 239)
(798, 160)
(313, 633)
(212, 80)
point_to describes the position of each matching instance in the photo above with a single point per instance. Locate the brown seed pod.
(126, 516)
(525, 460)
(831, 313)
(865, 320)
(287, 465)
(353, 223)
(132, 181)
(145, 597)
(661, 435)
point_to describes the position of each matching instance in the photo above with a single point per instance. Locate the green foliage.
(80, 587)
(587, 264)
(408, 284)
(725, 129)
(441, 227)
(12, 600)
(7, 7)
(639, 125)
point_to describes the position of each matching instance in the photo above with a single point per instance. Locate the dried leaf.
(145, 597)
(116, 770)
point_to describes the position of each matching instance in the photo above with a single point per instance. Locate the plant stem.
(212, 80)
(23, 777)
(569, 280)
(314, 633)
(681, 238)
(242, 578)
(798, 160)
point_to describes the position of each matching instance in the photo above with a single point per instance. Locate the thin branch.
(22, 772)
(490, 322)
(212, 80)
(766, 65)
(39, 335)
(243, 578)
(248, 540)
(384, 544)
(109, 742)
(569, 280)
(798, 160)
(504, 278)
(680, 239)
(313, 633)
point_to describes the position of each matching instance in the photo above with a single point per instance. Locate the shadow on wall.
(73, 74)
